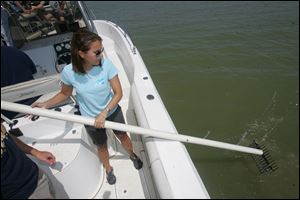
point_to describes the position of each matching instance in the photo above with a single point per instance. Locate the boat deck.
(131, 183)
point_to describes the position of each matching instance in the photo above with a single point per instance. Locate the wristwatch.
(107, 110)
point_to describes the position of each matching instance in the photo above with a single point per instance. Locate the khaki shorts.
(44, 189)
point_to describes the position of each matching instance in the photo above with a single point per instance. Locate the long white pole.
(127, 128)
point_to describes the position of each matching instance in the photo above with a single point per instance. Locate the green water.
(226, 71)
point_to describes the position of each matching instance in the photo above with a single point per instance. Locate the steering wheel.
(61, 61)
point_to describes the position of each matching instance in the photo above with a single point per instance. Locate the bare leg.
(126, 143)
(104, 156)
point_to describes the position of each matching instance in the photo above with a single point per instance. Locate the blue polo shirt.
(93, 89)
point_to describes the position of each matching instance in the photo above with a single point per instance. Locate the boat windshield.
(19, 27)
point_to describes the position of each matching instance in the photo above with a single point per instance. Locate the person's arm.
(116, 87)
(39, 6)
(63, 95)
(41, 155)
(23, 9)
(118, 93)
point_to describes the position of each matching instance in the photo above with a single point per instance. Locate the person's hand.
(38, 105)
(100, 120)
(44, 156)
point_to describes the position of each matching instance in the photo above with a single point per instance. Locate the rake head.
(264, 162)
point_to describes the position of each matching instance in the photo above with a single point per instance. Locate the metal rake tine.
(264, 162)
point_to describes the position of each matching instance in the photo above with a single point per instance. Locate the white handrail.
(127, 128)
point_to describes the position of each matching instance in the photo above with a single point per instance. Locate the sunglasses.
(98, 52)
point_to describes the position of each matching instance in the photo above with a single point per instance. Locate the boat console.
(50, 54)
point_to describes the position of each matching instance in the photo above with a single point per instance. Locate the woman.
(93, 78)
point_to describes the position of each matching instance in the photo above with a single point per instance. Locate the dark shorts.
(98, 135)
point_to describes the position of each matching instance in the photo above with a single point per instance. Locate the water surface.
(226, 71)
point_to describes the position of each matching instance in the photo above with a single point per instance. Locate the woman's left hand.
(100, 120)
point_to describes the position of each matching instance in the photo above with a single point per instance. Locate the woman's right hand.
(100, 120)
(38, 105)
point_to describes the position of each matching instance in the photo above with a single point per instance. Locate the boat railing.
(128, 39)
(126, 35)
(87, 16)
